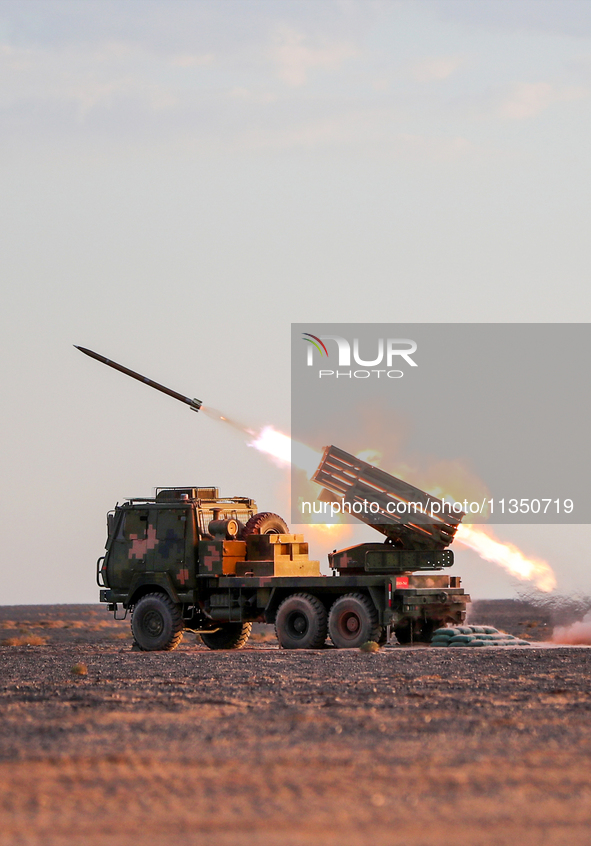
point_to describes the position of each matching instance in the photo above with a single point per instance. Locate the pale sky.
(182, 180)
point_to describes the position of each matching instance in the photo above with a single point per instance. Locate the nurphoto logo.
(316, 342)
(386, 351)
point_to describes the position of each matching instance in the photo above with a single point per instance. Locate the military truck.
(187, 558)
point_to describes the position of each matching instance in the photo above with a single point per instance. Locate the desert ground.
(411, 746)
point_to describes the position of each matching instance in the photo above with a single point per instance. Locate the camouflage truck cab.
(158, 541)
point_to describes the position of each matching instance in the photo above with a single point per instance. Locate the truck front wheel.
(353, 620)
(301, 622)
(157, 623)
(228, 636)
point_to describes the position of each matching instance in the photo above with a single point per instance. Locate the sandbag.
(446, 632)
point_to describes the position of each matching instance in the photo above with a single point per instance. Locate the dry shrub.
(8, 624)
(52, 624)
(369, 646)
(24, 640)
(80, 669)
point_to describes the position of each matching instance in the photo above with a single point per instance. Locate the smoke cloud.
(578, 632)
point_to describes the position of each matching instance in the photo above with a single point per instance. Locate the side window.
(171, 524)
(133, 525)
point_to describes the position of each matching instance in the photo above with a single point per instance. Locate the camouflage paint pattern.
(210, 557)
(140, 546)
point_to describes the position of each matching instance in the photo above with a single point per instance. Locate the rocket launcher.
(410, 518)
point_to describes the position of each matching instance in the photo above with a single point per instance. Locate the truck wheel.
(353, 620)
(301, 622)
(157, 623)
(228, 636)
(265, 523)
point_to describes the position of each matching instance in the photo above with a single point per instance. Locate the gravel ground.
(406, 747)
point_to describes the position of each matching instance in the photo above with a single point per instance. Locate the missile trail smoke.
(216, 414)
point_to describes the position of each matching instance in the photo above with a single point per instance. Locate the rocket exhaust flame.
(287, 451)
(507, 556)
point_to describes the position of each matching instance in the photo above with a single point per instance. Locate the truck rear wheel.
(228, 636)
(265, 523)
(157, 623)
(301, 622)
(353, 620)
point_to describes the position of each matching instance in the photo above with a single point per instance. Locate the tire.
(157, 623)
(265, 523)
(228, 636)
(353, 620)
(301, 622)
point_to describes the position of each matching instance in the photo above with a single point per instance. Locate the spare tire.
(265, 523)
